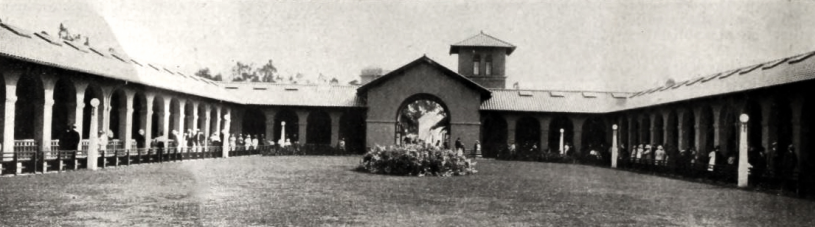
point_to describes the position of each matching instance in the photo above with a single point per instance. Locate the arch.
(352, 130)
(488, 65)
(29, 96)
(423, 116)
(527, 134)
(493, 134)
(754, 128)
(560, 122)
(728, 126)
(138, 115)
(156, 122)
(318, 128)
(706, 130)
(593, 135)
(118, 101)
(645, 129)
(201, 123)
(64, 109)
(254, 121)
(189, 116)
(688, 130)
(213, 121)
(93, 91)
(672, 130)
(782, 118)
(175, 111)
(658, 129)
(291, 119)
(476, 64)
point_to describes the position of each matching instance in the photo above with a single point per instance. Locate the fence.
(27, 159)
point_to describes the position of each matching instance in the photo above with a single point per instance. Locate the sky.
(606, 45)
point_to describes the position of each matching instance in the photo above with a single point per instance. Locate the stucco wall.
(385, 99)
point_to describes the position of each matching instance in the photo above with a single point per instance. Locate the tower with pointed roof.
(482, 58)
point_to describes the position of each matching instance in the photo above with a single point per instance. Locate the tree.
(267, 72)
(218, 77)
(334, 81)
(242, 72)
(204, 73)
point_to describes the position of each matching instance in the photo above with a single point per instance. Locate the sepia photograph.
(407, 113)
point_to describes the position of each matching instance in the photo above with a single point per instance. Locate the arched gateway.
(422, 79)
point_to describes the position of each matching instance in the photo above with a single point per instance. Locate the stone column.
(147, 119)
(126, 119)
(697, 127)
(11, 78)
(561, 145)
(80, 109)
(227, 119)
(717, 122)
(192, 121)
(512, 122)
(631, 139)
(218, 118)
(682, 143)
(206, 121)
(165, 121)
(180, 118)
(743, 159)
(270, 119)
(544, 139)
(93, 143)
(614, 146)
(44, 112)
(107, 93)
(335, 128)
(302, 124)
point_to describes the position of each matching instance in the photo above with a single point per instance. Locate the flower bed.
(414, 160)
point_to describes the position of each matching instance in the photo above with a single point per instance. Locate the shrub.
(415, 160)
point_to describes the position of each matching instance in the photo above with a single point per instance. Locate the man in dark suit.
(69, 141)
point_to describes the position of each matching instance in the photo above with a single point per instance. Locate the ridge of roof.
(482, 40)
(485, 93)
(557, 90)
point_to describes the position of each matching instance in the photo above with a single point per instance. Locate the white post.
(614, 150)
(93, 144)
(743, 162)
(282, 140)
(561, 143)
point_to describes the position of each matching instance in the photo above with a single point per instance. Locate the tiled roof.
(17, 43)
(310, 95)
(554, 101)
(482, 40)
(782, 71)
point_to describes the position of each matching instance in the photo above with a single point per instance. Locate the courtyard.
(320, 190)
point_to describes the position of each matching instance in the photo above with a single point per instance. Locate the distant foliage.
(416, 160)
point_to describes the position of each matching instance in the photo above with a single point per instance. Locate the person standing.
(459, 147)
(788, 168)
(477, 148)
(140, 141)
(69, 141)
(341, 145)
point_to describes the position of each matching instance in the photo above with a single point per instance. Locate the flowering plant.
(416, 160)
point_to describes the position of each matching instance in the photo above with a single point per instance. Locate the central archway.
(422, 118)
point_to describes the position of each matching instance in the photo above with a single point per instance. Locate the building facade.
(50, 83)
